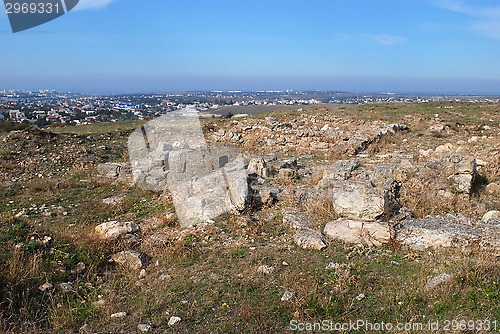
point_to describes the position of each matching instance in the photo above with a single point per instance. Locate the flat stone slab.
(358, 232)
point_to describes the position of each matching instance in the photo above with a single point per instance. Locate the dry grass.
(209, 275)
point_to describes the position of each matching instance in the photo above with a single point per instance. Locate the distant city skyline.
(129, 46)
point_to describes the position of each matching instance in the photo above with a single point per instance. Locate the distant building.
(125, 106)
(16, 116)
(40, 114)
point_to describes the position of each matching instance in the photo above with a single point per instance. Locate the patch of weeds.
(278, 217)
(16, 231)
(238, 254)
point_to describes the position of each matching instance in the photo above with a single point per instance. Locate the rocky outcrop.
(204, 180)
(306, 133)
(339, 170)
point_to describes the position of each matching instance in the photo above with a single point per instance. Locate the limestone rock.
(174, 320)
(286, 296)
(264, 195)
(491, 215)
(113, 230)
(445, 148)
(118, 315)
(340, 170)
(447, 231)
(310, 239)
(286, 173)
(289, 163)
(206, 196)
(108, 171)
(351, 231)
(144, 328)
(266, 270)
(131, 259)
(358, 200)
(462, 171)
(258, 166)
(113, 200)
(438, 130)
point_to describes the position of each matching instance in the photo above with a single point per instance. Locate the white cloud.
(381, 39)
(488, 28)
(485, 20)
(464, 8)
(92, 4)
(387, 39)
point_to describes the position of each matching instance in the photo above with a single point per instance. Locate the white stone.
(130, 258)
(174, 320)
(118, 315)
(258, 166)
(113, 200)
(491, 214)
(266, 270)
(310, 239)
(333, 266)
(144, 328)
(142, 274)
(360, 297)
(426, 153)
(358, 200)
(286, 296)
(113, 230)
(357, 232)
(340, 170)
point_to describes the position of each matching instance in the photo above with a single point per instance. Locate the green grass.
(237, 297)
(208, 276)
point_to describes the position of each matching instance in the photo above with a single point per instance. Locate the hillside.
(297, 254)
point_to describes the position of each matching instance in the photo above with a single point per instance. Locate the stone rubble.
(130, 259)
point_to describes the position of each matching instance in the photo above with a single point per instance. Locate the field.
(229, 276)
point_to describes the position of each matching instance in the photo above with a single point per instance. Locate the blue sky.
(103, 46)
